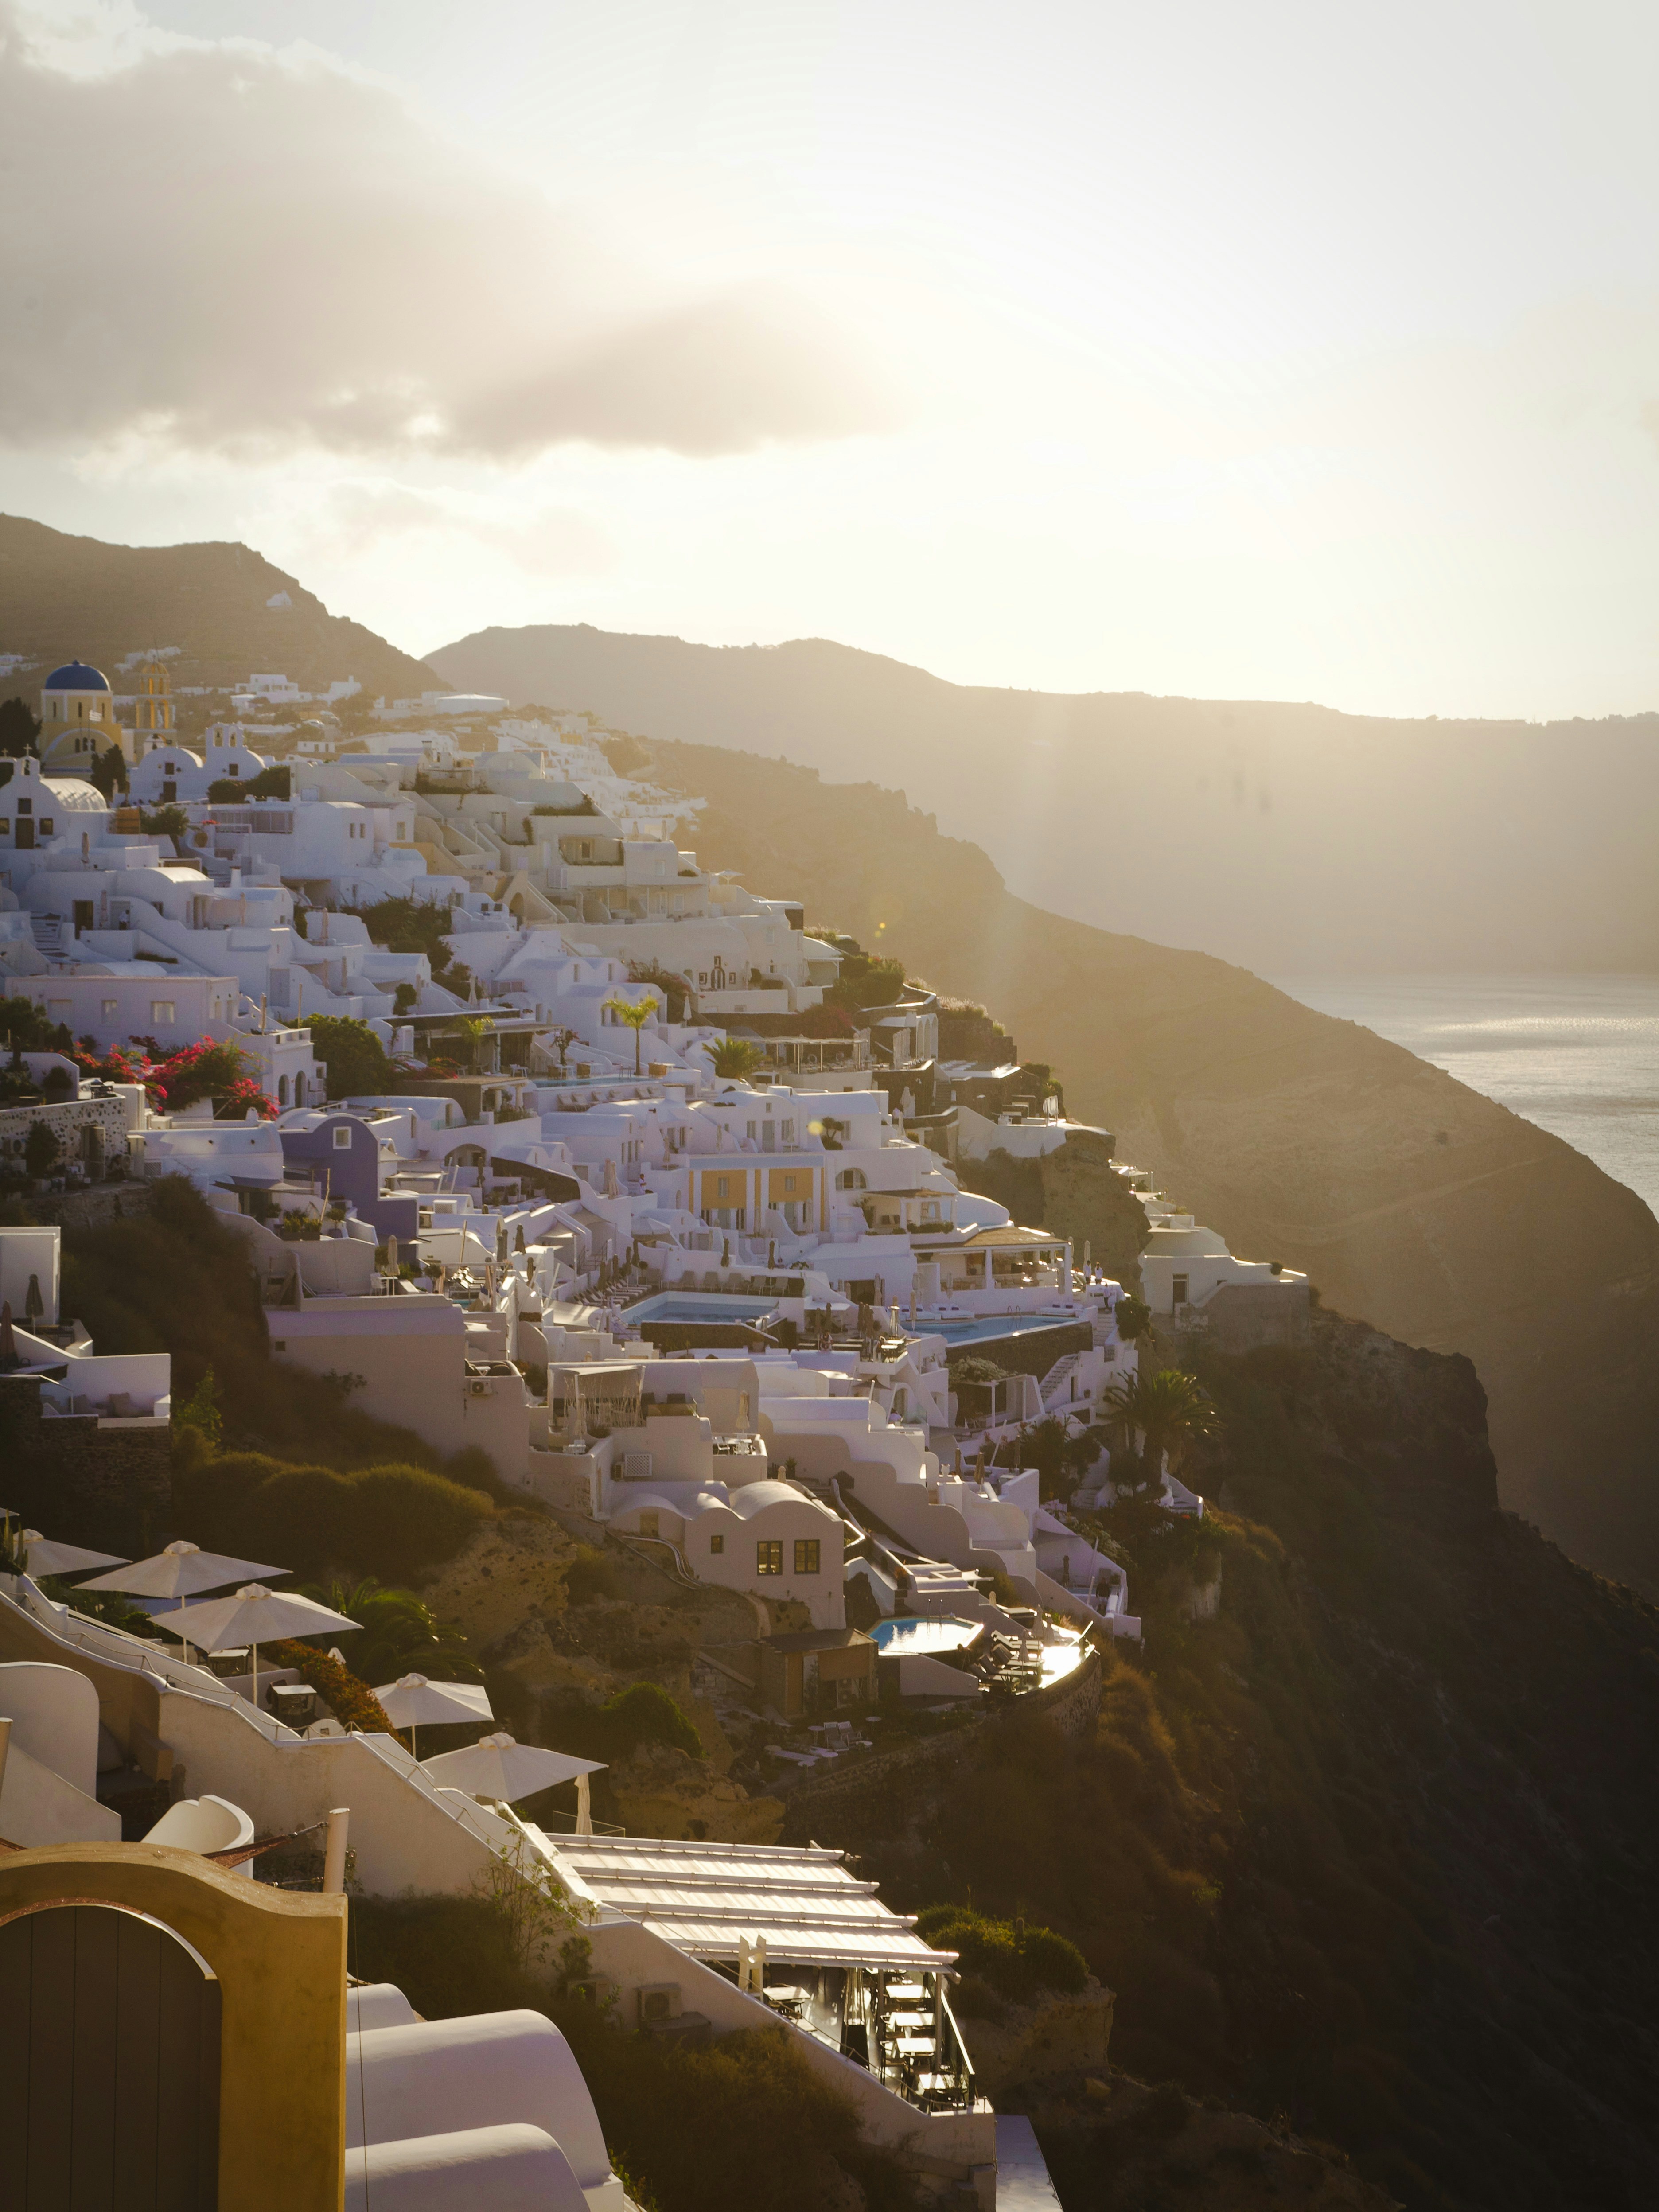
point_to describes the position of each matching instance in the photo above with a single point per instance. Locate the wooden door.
(109, 2065)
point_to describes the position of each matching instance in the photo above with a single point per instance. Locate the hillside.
(1286, 837)
(1367, 1849)
(1443, 1218)
(63, 598)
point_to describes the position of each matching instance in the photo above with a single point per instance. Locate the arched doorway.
(109, 2062)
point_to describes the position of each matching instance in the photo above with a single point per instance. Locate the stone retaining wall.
(81, 1480)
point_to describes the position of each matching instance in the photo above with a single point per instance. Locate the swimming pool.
(703, 1305)
(988, 1325)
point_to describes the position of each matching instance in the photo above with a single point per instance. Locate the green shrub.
(353, 1703)
(392, 1522)
(643, 1713)
(1018, 1961)
(353, 1054)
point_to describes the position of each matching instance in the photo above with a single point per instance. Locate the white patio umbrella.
(497, 1767)
(411, 1701)
(182, 1571)
(254, 1616)
(46, 1558)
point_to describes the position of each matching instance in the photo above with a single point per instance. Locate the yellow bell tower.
(152, 723)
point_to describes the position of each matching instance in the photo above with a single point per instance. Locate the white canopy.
(495, 1766)
(180, 1571)
(413, 1702)
(46, 1558)
(707, 1898)
(254, 1615)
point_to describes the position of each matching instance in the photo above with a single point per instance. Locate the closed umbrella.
(254, 1616)
(182, 1570)
(46, 1558)
(495, 1766)
(412, 1701)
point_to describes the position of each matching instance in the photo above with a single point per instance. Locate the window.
(111, 1008)
(717, 1545)
(748, 1131)
(788, 1133)
(1178, 1290)
(46, 825)
(769, 1557)
(649, 1524)
(850, 1179)
(789, 1184)
(162, 1010)
(806, 1555)
(342, 1137)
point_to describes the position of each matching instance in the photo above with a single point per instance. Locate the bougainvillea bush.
(179, 1078)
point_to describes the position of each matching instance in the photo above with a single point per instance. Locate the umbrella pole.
(183, 1602)
(415, 1741)
(256, 1678)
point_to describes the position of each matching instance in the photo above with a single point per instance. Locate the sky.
(1283, 352)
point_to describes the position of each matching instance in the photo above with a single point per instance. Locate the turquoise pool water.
(705, 1305)
(989, 1325)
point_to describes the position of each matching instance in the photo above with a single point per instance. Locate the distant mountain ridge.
(1284, 837)
(62, 598)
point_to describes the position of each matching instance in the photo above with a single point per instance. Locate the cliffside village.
(647, 1212)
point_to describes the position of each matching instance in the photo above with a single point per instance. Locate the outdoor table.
(904, 2019)
(915, 2046)
(902, 1992)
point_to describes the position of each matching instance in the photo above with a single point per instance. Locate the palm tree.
(399, 1633)
(474, 1027)
(634, 1015)
(1171, 1409)
(735, 1058)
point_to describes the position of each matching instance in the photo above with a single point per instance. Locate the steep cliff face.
(1449, 1221)
(1372, 1851)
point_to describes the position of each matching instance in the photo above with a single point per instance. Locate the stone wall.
(106, 1486)
(67, 1123)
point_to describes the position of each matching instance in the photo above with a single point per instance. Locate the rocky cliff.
(1448, 1220)
(1369, 1853)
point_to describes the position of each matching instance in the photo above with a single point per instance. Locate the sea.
(1578, 1054)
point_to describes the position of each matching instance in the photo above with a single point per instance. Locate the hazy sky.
(1289, 351)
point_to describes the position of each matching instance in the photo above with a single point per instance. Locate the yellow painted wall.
(281, 1960)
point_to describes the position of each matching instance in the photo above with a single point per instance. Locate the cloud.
(556, 541)
(227, 250)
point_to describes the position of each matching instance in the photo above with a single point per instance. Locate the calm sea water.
(1578, 1054)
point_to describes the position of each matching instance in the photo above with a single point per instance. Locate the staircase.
(47, 931)
(1056, 1387)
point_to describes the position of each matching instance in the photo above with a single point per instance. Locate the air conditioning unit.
(659, 2001)
(480, 1385)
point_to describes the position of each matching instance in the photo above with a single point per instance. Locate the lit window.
(806, 1555)
(769, 1557)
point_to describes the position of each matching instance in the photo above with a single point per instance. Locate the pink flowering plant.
(179, 1078)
